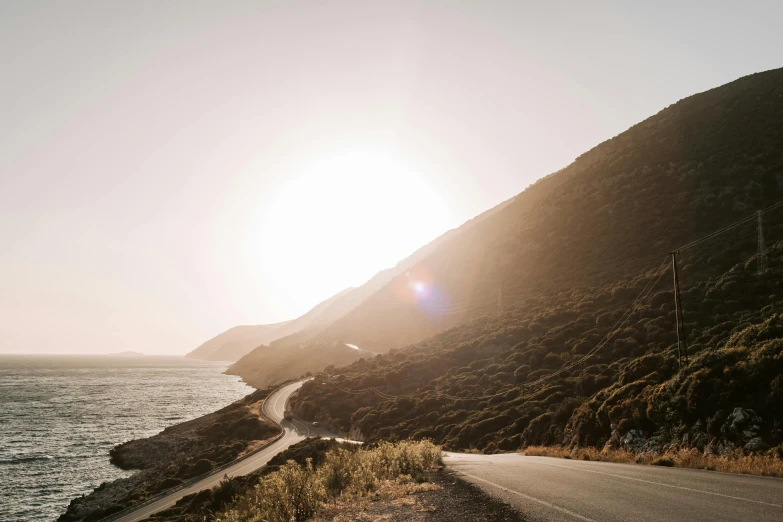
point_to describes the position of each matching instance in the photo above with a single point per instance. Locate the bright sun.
(344, 217)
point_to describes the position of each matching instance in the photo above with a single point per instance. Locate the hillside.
(582, 349)
(238, 341)
(269, 365)
(313, 349)
(235, 342)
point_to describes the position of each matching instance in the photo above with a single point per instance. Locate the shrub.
(295, 492)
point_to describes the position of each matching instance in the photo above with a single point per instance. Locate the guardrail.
(195, 480)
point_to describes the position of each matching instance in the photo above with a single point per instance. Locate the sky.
(171, 169)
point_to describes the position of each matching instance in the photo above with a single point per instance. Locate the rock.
(756, 444)
(699, 440)
(634, 440)
(725, 448)
(741, 423)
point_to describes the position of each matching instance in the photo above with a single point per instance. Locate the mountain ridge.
(570, 263)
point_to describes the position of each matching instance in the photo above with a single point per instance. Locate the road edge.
(195, 480)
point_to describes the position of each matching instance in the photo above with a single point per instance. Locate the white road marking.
(533, 499)
(578, 468)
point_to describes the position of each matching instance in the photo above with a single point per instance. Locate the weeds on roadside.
(767, 465)
(295, 493)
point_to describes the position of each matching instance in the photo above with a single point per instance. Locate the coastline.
(178, 453)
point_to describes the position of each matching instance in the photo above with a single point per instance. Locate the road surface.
(550, 489)
(273, 407)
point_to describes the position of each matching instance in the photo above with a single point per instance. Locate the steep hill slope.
(312, 349)
(236, 342)
(581, 259)
(269, 365)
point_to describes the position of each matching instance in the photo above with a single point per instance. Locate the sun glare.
(343, 217)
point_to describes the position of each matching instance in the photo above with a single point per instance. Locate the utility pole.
(762, 256)
(681, 354)
(500, 300)
(582, 380)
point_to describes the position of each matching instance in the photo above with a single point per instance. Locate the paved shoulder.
(559, 489)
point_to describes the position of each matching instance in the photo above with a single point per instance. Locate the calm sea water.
(60, 416)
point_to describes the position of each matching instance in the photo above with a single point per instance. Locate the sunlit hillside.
(305, 344)
(581, 346)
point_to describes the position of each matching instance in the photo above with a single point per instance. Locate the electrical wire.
(729, 227)
(640, 298)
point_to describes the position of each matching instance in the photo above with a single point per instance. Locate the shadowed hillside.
(584, 349)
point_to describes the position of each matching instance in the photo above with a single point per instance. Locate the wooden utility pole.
(761, 258)
(682, 354)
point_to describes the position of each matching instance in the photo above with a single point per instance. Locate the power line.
(731, 226)
(679, 320)
(640, 298)
(762, 259)
(618, 325)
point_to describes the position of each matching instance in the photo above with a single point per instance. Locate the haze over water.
(60, 416)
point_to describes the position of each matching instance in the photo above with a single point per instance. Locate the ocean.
(60, 416)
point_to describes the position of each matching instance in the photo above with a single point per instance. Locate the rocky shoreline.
(176, 454)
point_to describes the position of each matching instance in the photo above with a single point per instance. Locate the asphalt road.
(273, 407)
(551, 489)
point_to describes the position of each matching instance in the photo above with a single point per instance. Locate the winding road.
(550, 489)
(293, 432)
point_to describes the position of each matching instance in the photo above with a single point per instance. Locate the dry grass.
(355, 476)
(391, 499)
(691, 458)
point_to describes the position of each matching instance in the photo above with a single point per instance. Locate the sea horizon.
(61, 414)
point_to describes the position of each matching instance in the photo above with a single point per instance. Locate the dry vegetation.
(297, 492)
(767, 465)
(571, 255)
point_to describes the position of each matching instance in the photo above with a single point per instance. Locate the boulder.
(634, 440)
(755, 444)
(741, 424)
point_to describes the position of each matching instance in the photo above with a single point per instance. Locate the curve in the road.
(293, 432)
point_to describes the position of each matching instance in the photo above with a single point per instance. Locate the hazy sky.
(171, 169)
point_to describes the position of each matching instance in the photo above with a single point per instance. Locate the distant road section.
(549, 489)
(295, 431)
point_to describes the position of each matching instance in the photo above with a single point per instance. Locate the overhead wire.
(618, 325)
(716, 233)
(640, 298)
